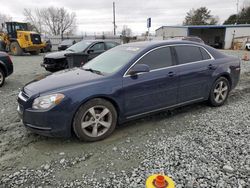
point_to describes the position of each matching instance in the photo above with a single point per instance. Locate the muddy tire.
(34, 52)
(15, 49)
(219, 92)
(2, 77)
(95, 120)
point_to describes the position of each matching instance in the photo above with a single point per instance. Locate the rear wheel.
(95, 120)
(219, 92)
(15, 49)
(2, 77)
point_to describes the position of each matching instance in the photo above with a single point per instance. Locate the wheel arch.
(228, 77)
(3, 68)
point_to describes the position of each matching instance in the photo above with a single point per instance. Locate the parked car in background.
(6, 67)
(91, 48)
(247, 46)
(193, 39)
(188, 38)
(124, 83)
(66, 44)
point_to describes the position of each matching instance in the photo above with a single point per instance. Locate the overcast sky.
(96, 15)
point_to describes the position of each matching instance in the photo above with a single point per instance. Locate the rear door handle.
(211, 67)
(171, 74)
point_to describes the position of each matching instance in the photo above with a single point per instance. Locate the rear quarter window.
(188, 54)
(204, 54)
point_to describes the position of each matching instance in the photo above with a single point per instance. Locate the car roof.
(92, 41)
(152, 44)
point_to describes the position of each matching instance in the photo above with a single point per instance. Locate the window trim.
(176, 64)
(98, 43)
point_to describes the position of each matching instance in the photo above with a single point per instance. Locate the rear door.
(195, 72)
(152, 90)
(96, 50)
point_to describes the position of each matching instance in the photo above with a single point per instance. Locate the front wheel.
(95, 120)
(34, 52)
(2, 77)
(219, 92)
(15, 49)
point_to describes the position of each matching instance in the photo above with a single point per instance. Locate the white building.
(220, 36)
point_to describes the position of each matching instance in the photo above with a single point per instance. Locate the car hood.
(58, 55)
(61, 80)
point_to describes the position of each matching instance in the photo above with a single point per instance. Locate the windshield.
(21, 26)
(79, 47)
(112, 60)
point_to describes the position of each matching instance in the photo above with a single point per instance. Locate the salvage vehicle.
(124, 83)
(91, 48)
(6, 67)
(66, 44)
(17, 39)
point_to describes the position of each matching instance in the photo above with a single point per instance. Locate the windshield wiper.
(94, 71)
(70, 50)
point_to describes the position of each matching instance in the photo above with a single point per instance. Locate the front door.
(153, 90)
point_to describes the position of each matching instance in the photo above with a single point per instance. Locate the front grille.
(48, 61)
(35, 38)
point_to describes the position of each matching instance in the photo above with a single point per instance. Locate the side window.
(157, 59)
(187, 54)
(110, 45)
(205, 55)
(98, 47)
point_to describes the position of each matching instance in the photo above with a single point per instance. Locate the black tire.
(15, 49)
(2, 77)
(51, 69)
(84, 115)
(217, 89)
(34, 52)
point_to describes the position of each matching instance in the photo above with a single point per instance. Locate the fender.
(3, 66)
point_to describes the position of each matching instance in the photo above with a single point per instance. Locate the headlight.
(48, 101)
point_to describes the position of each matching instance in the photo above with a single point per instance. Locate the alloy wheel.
(220, 92)
(96, 121)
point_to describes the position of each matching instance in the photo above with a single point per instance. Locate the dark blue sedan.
(127, 82)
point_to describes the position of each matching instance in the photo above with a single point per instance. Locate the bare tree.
(34, 20)
(55, 21)
(126, 31)
(4, 18)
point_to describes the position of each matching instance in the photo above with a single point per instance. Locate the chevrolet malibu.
(124, 83)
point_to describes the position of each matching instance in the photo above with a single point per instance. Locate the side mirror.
(138, 68)
(90, 51)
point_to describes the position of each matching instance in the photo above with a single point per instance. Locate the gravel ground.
(197, 145)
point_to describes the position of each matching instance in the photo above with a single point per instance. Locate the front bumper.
(53, 123)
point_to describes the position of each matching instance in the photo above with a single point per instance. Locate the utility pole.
(237, 16)
(114, 18)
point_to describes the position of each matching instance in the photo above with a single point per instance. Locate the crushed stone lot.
(197, 145)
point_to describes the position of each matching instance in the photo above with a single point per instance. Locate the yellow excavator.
(16, 38)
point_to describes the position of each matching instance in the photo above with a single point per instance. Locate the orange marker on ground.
(159, 181)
